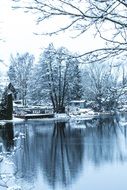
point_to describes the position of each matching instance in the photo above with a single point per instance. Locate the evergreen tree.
(76, 89)
(6, 105)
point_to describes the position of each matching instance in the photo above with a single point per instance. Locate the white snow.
(61, 116)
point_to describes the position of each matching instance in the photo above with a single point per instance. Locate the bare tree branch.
(84, 15)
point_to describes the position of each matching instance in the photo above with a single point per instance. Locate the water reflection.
(51, 152)
(7, 136)
(64, 152)
(49, 155)
(106, 142)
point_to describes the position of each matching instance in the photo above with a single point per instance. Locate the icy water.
(45, 155)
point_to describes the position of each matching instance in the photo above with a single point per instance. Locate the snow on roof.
(78, 101)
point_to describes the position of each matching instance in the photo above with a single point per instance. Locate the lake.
(76, 155)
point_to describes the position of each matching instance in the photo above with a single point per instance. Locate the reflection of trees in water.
(64, 157)
(106, 141)
(7, 136)
(59, 150)
(56, 151)
(28, 156)
(25, 157)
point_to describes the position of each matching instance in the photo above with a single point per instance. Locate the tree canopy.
(57, 78)
(19, 73)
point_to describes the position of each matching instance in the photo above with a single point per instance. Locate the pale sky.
(17, 28)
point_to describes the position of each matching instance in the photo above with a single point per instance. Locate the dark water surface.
(45, 155)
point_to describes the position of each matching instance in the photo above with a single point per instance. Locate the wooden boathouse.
(33, 112)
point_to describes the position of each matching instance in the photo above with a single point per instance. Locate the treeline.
(60, 77)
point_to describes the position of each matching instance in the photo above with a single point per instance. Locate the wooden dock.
(35, 116)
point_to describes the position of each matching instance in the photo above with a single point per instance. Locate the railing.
(22, 110)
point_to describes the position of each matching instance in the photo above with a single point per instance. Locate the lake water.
(48, 155)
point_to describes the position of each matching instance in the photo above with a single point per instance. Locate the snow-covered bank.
(14, 120)
(64, 117)
(61, 117)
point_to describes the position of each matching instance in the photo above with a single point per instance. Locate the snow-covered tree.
(103, 85)
(56, 77)
(77, 88)
(19, 73)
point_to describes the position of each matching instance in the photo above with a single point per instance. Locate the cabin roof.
(78, 101)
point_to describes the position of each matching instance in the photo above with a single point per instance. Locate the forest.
(60, 77)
